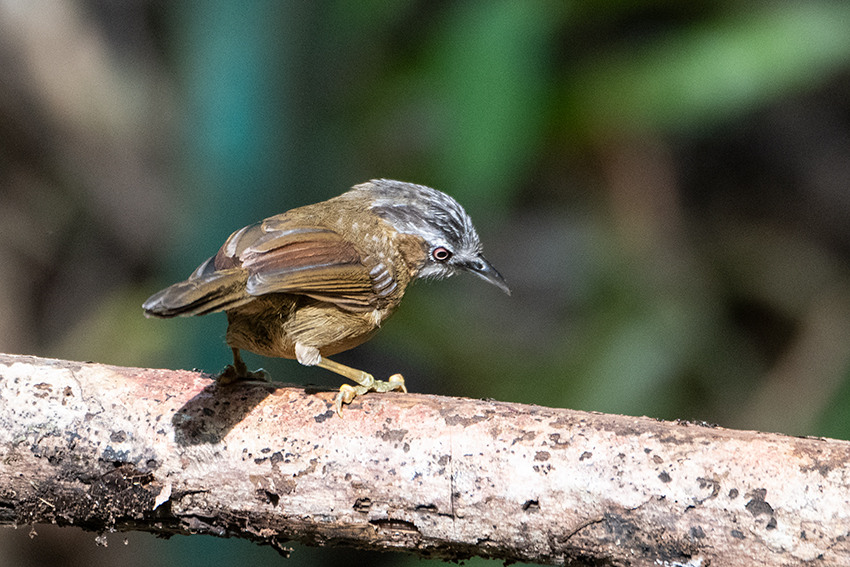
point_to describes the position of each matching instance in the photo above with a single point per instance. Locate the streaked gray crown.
(440, 221)
(421, 210)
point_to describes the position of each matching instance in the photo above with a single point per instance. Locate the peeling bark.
(110, 448)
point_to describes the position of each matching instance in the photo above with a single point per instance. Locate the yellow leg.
(365, 383)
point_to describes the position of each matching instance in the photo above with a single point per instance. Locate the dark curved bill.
(484, 270)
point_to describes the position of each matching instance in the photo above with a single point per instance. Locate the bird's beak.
(484, 270)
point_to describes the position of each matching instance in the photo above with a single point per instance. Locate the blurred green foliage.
(702, 75)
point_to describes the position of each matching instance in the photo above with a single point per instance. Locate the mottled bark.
(110, 448)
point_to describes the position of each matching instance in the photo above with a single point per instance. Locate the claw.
(365, 382)
(231, 374)
(396, 382)
(227, 376)
(346, 394)
(260, 375)
(239, 372)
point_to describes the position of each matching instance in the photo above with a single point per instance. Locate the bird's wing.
(282, 255)
(206, 291)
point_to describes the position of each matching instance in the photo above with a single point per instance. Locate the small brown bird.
(320, 279)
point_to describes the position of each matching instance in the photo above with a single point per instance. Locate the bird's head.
(451, 240)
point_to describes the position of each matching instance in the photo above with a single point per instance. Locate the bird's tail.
(202, 293)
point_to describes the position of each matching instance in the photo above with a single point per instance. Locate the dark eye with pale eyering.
(441, 254)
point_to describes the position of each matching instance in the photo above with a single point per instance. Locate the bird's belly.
(274, 332)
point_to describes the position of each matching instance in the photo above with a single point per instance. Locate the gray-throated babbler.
(320, 279)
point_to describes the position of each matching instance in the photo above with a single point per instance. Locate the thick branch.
(105, 448)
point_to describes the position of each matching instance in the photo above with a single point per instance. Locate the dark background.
(665, 186)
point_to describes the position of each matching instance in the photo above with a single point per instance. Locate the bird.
(321, 279)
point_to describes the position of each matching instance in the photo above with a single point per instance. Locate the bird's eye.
(441, 254)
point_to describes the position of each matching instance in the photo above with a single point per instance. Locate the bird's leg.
(310, 356)
(365, 383)
(233, 372)
(238, 371)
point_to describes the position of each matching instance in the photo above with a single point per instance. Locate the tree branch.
(110, 448)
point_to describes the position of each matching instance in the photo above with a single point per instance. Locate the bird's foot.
(238, 372)
(347, 392)
(259, 375)
(230, 374)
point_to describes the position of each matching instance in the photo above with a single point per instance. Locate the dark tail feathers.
(200, 294)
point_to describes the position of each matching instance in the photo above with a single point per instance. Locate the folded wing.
(278, 255)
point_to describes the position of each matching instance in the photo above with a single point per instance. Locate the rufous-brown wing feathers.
(275, 256)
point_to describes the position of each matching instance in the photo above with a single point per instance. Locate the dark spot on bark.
(757, 493)
(563, 423)
(733, 493)
(531, 506)
(664, 477)
(464, 421)
(708, 483)
(525, 437)
(444, 460)
(118, 437)
(542, 456)
(585, 455)
(737, 534)
(391, 435)
(619, 527)
(272, 498)
(657, 460)
(276, 458)
(757, 505)
(697, 532)
(555, 438)
(314, 463)
(113, 456)
(324, 416)
(823, 467)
